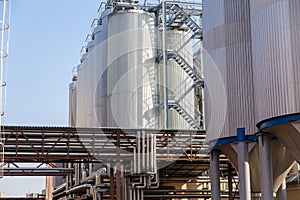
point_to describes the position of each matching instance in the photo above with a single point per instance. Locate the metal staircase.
(191, 71)
(185, 17)
(193, 121)
(181, 17)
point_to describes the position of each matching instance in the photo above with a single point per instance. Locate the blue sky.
(45, 43)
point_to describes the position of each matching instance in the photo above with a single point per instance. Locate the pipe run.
(73, 190)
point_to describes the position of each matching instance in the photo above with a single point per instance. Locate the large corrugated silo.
(228, 61)
(276, 72)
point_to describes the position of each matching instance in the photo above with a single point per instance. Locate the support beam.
(118, 168)
(112, 183)
(265, 160)
(215, 174)
(230, 177)
(281, 193)
(243, 164)
(165, 64)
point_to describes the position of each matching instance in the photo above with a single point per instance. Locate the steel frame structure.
(48, 145)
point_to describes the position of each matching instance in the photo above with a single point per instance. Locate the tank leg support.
(265, 160)
(215, 174)
(243, 164)
(281, 193)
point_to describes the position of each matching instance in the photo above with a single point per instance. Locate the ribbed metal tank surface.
(276, 57)
(227, 40)
(254, 57)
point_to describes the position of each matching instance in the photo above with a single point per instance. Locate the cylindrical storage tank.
(276, 72)
(227, 62)
(80, 118)
(178, 80)
(131, 57)
(230, 83)
(90, 46)
(72, 103)
(276, 57)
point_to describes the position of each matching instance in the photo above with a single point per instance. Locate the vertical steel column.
(215, 174)
(157, 69)
(230, 188)
(112, 183)
(2, 56)
(243, 164)
(265, 162)
(118, 166)
(281, 193)
(165, 63)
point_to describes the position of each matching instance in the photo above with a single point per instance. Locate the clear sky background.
(45, 43)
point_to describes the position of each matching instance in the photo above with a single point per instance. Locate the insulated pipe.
(243, 165)
(134, 160)
(265, 162)
(143, 151)
(155, 184)
(78, 188)
(140, 185)
(152, 155)
(72, 190)
(59, 189)
(89, 178)
(215, 174)
(148, 152)
(281, 193)
(138, 144)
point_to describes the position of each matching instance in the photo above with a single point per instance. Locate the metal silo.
(230, 82)
(130, 54)
(227, 41)
(276, 72)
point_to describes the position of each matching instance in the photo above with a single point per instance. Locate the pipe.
(78, 188)
(72, 190)
(180, 196)
(59, 189)
(148, 154)
(138, 151)
(155, 184)
(142, 184)
(89, 178)
(143, 151)
(142, 194)
(134, 159)
(152, 155)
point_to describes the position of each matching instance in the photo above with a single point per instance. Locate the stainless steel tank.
(72, 103)
(131, 53)
(231, 73)
(228, 61)
(276, 72)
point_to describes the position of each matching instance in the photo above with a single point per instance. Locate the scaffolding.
(185, 16)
